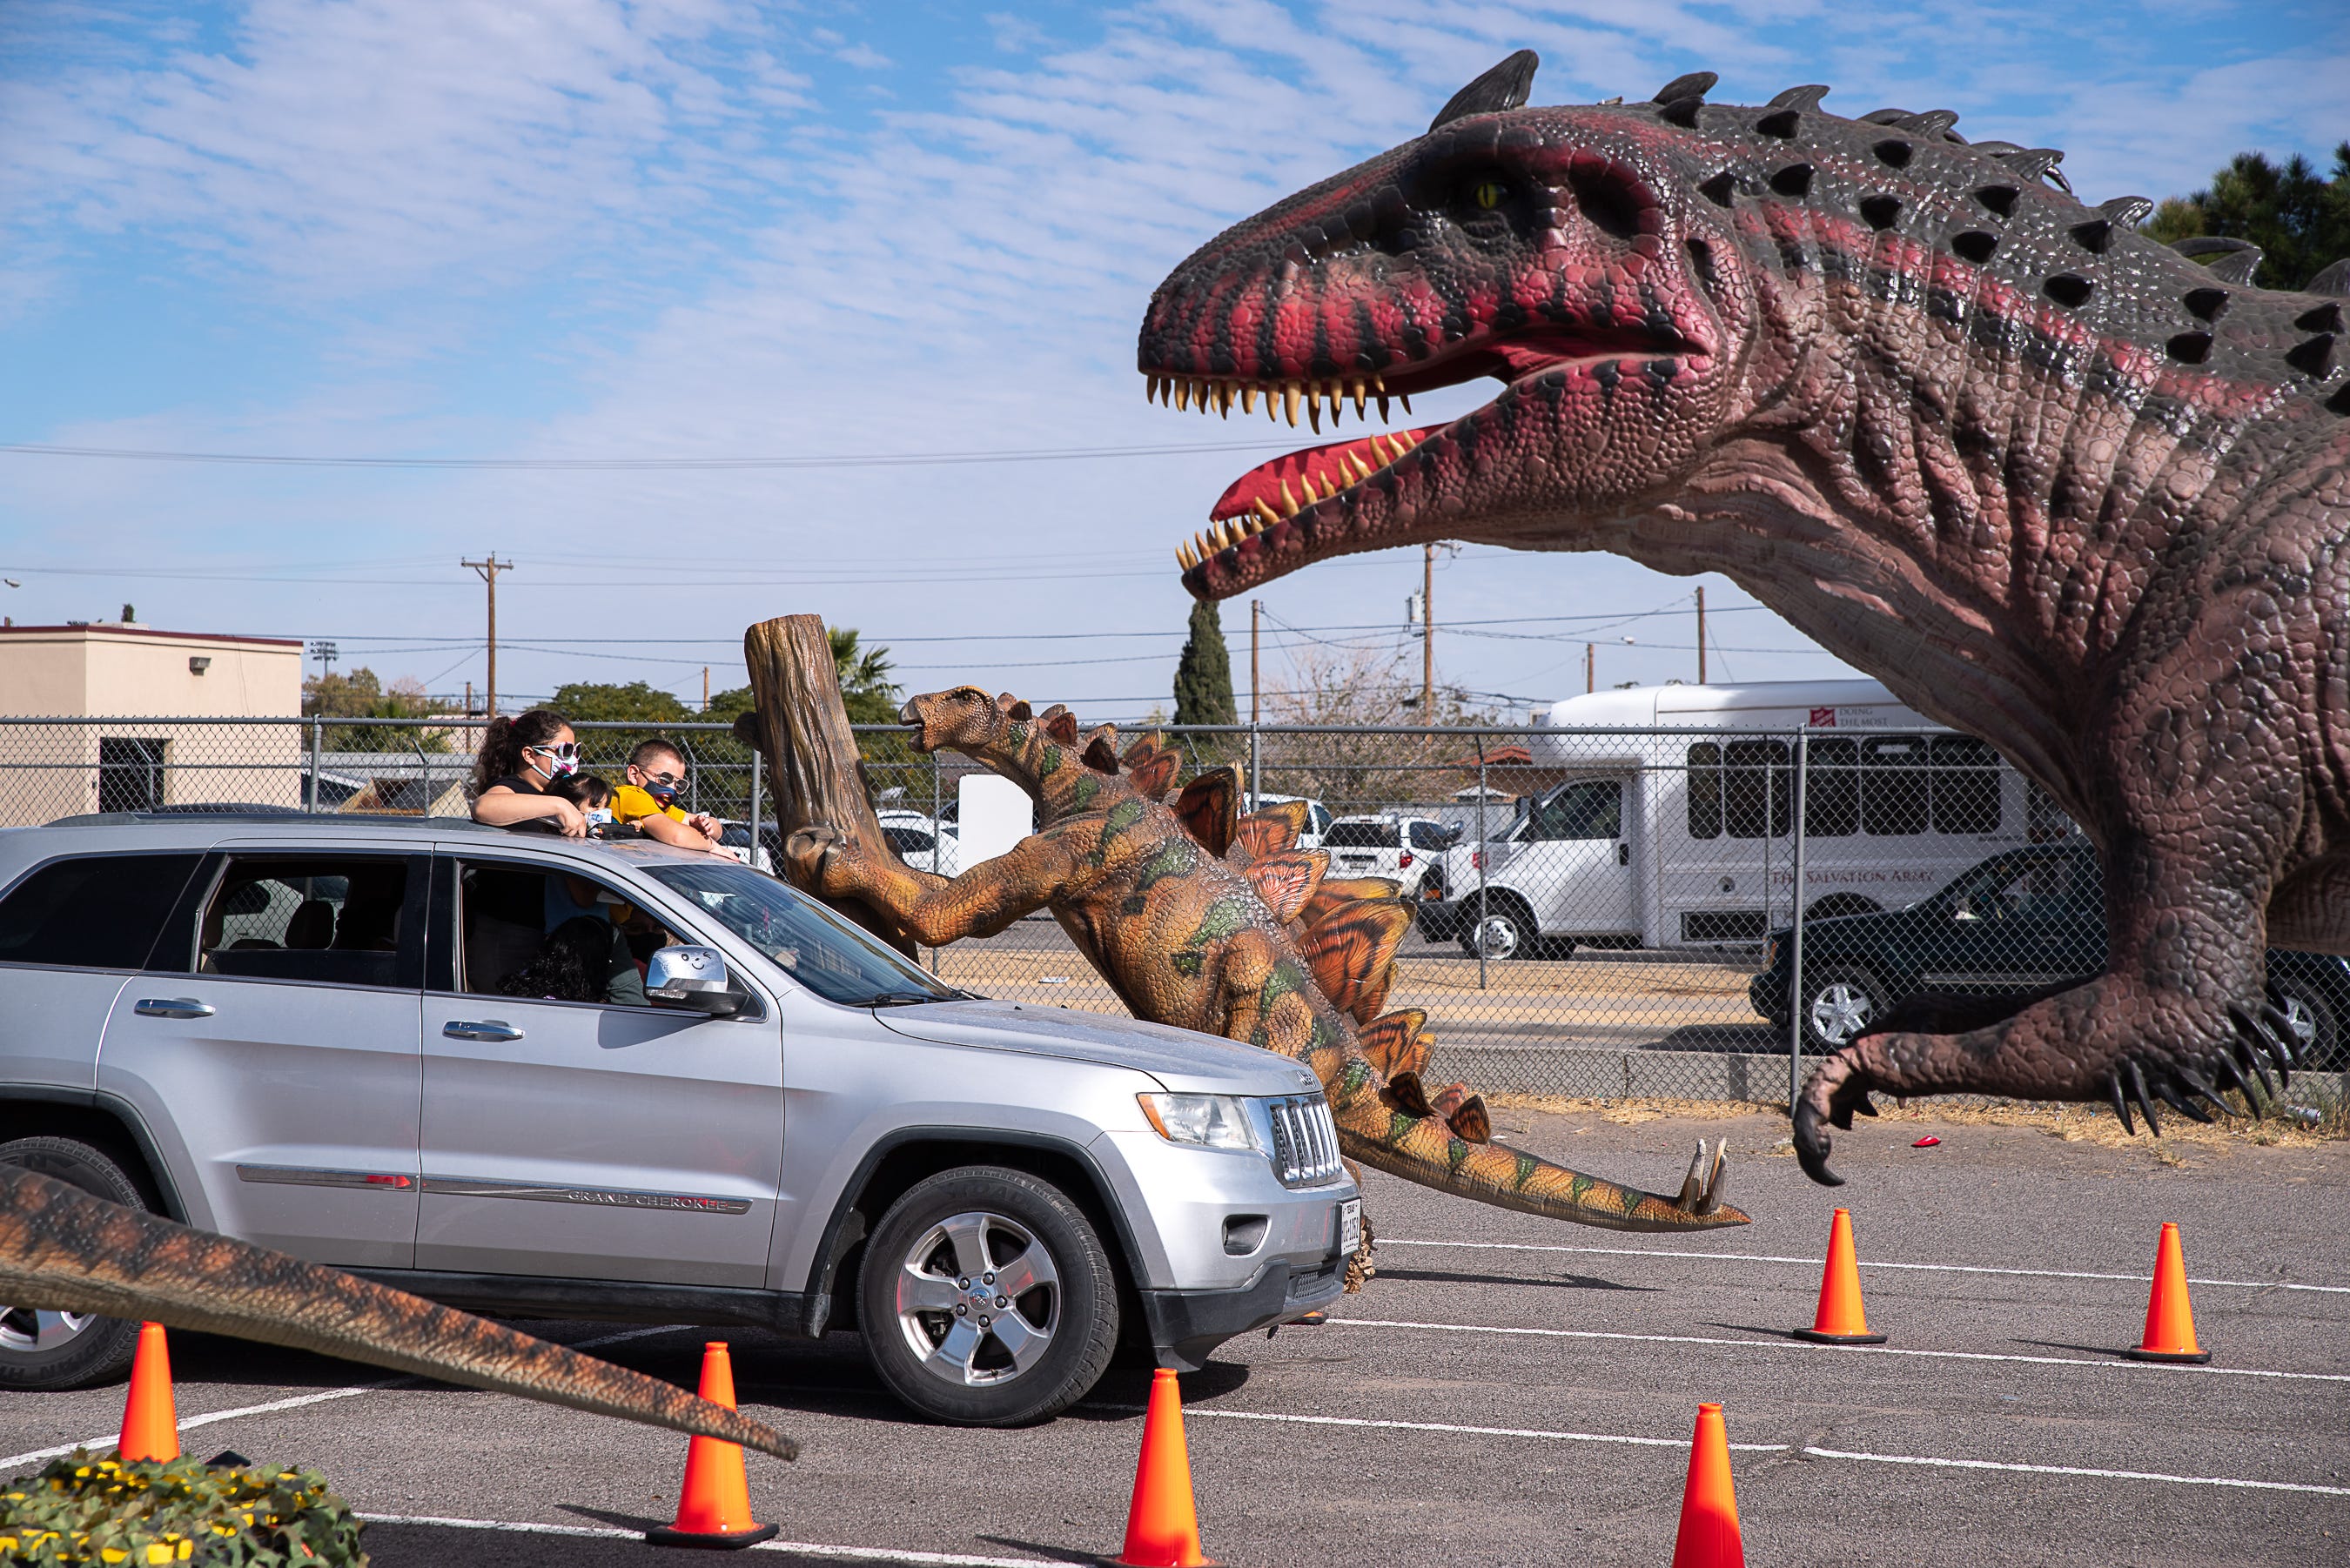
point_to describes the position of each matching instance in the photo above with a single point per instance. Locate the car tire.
(2317, 1031)
(1840, 1002)
(45, 1351)
(1506, 931)
(924, 1292)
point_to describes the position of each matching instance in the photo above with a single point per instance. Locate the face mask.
(559, 762)
(662, 793)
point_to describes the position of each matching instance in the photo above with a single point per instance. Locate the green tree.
(866, 689)
(1203, 675)
(362, 695)
(2300, 219)
(638, 702)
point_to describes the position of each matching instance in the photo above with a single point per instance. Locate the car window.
(99, 911)
(551, 934)
(1430, 835)
(1593, 808)
(815, 947)
(1360, 835)
(330, 919)
(908, 840)
(2036, 888)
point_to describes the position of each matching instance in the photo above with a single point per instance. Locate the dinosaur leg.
(2179, 1015)
(936, 910)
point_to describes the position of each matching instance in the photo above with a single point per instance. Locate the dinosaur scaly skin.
(2053, 484)
(1249, 943)
(62, 1249)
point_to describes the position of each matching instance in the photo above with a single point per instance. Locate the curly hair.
(571, 966)
(504, 739)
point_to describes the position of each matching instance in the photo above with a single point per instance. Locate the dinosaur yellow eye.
(1488, 194)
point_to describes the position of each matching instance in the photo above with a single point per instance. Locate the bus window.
(1966, 785)
(1705, 790)
(1758, 788)
(1593, 808)
(1893, 790)
(1832, 788)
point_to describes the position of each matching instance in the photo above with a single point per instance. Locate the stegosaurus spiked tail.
(62, 1249)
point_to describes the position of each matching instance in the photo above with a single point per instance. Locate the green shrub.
(100, 1511)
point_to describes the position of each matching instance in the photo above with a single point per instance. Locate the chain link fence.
(1598, 913)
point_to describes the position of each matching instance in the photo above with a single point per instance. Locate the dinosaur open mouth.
(1310, 503)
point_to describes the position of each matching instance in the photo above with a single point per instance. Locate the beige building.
(126, 702)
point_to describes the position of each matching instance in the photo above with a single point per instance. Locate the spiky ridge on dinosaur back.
(1618, 265)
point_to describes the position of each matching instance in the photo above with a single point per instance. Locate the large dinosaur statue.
(2052, 483)
(62, 1249)
(1203, 919)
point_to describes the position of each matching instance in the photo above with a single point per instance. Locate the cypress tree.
(1203, 675)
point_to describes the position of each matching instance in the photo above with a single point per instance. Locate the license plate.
(1351, 1226)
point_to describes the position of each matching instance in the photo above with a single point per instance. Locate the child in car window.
(592, 797)
(649, 800)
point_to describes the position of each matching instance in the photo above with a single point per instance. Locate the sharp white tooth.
(1336, 402)
(1405, 402)
(1383, 404)
(1248, 399)
(1223, 537)
(1151, 389)
(1184, 395)
(1224, 399)
(1289, 502)
(1362, 471)
(1356, 391)
(1264, 512)
(1289, 394)
(1313, 414)
(1381, 450)
(1379, 385)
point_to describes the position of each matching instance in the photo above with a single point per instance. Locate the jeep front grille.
(1304, 1141)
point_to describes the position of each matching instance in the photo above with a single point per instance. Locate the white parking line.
(2117, 1365)
(1864, 1262)
(188, 1423)
(1193, 1412)
(2079, 1470)
(794, 1548)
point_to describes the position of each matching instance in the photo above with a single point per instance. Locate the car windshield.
(815, 947)
(1360, 835)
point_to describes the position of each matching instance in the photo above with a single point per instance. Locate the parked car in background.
(380, 1044)
(1408, 850)
(2017, 921)
(924, 845)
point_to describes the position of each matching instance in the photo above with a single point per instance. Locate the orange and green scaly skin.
(1185, 937)
(62, 1249)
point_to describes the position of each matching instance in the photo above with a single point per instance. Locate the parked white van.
(1674, 824)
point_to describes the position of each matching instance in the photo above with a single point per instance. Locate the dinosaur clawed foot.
(2259, 1040)
(1701, 1188)
(1836, 1092)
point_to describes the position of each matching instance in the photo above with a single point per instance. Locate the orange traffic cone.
(2170, 1317)
(1162, 1529)
(714, 1507)
(150, 1425)
(1709, 1533)
(1840, 1320)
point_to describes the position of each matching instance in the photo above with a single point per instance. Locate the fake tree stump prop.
(800, 725)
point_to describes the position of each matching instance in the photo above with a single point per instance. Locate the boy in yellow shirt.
(655, 772)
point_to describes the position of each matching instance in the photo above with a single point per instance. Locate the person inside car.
(592, 797)
(519, 759)
(649, 800)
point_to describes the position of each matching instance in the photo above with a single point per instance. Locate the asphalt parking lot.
(1509, 1390)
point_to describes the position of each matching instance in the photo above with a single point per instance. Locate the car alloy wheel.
(44, 1350)
(1841, 1004)
(977, 1299)
(23, 1329)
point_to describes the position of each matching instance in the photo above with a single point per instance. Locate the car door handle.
(489, 1029)
(1624, 854)
(172, 1007)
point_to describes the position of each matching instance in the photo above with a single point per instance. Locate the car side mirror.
(694, 977)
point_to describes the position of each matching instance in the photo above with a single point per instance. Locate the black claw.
(2281, 1029)
(2181, 1104)
(2145, 1101)
(2204, 1087)
(2262, 1042)
(2260, 1065)
(2121, 1106)
(1863, 1106)
(2244, 1085)
(1812, 1146)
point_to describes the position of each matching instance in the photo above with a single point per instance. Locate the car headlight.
(1212, 1121)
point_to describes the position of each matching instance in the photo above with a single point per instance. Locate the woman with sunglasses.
(520, 757)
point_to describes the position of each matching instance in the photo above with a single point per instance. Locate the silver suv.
(547, 1078)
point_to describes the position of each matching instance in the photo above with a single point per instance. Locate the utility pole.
(1428, 631)
(1700, 636)
(705, 686)
(488, 570)
(1590, 667)
(1256, 613)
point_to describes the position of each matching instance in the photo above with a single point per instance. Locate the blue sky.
(690, 229)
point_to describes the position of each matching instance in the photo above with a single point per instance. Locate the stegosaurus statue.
(1204, 919)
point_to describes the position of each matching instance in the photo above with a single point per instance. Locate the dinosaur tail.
(1428, 1149)
(64, 1250)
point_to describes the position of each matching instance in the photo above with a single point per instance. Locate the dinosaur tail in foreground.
(64, 1250)
(1427, 1150)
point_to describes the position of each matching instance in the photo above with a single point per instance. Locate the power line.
(638, 464)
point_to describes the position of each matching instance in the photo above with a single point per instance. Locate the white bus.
(1672, 824)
